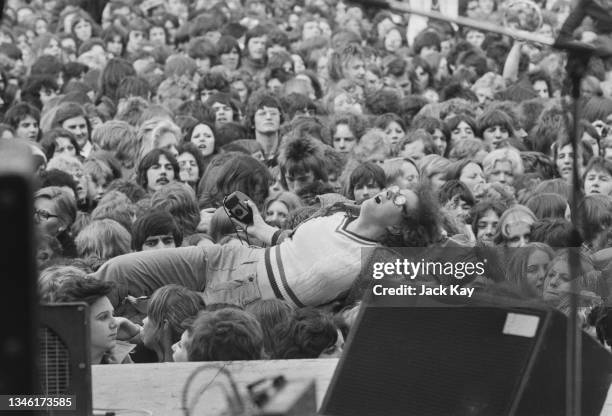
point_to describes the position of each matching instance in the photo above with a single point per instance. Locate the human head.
(103, 239)
(191, 163)
(417, 145)
(278, 207)
(25, 119)
(563, 155)
(366, 180)
(227, 334)
(270, 313)
(527, 267)
(168, 308)
(74, 167)
(59, 141)
(55, 210)
(155, 230)
(597, 177)
(302, 161)
(348, 63)
(595, 220)
(179, 200)
(402, 172)
(461, 127)
(260, 113)
(556, 232)
(485, 219)
(433, 170)
(558, 281)
(156, 169)
(102, 324)
(548, 205)
(308, 334)
(346, 130)
(514, 228)
(470, 173)
(73, 118)
(496, 128)
(502, 166)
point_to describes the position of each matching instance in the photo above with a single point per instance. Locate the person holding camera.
(312, 265)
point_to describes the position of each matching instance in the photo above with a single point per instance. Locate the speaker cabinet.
(427, 356)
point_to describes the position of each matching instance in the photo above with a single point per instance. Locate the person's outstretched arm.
(140, 274)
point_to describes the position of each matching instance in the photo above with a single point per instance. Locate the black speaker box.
(18, 299)
(443, 356)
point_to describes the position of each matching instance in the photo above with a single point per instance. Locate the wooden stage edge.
(158, 387)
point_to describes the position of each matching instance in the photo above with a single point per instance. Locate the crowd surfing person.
(345, 127)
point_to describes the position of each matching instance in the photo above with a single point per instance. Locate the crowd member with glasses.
(55, 211)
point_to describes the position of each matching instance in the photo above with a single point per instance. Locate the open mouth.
(378, 199)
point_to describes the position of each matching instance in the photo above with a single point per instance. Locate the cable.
(236, 403)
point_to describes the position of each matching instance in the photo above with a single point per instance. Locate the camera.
(237, 207)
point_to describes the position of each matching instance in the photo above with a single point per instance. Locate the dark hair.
(309, 333)
(114, 72)
(555, 232)
(453, 122)
(482, 207)
(134, 86)
(365, 174)
(596, 215)
(270, 313)
(429, 39)
(226, 44)
(208, 124)
(547, 205)
(19, 111)
(213, 81)
(240, 173)
(156, 222)
(30, 92)
(494, 117)
(174, 304)
(454, 187)
(151, 159)
(56, 177)
(258, 101)
(47, 65)
(430, 125)
(228, 133)
(192, 149)
(83, 289)
(48, 142)
(383, 121)
(226, 334)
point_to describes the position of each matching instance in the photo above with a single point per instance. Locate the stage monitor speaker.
(425, 356)
(18, 299)
(64, 356)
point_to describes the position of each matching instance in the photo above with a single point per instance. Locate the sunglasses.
(393, 193)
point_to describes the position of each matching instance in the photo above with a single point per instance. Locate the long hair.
(421, 226)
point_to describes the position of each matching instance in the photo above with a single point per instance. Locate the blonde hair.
(51, 279)
(103, 239)
(507, 154)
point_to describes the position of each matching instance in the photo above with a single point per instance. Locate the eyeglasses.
(45, 215)
(393, 193)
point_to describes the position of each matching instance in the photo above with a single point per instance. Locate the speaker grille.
(54, 363)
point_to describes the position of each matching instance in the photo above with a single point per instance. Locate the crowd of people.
(346, 127)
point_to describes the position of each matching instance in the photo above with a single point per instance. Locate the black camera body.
(237, 207)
